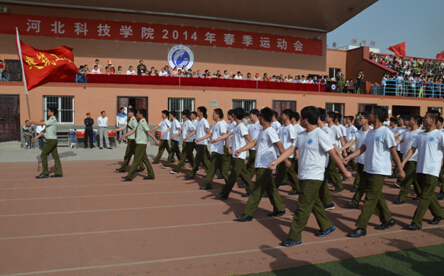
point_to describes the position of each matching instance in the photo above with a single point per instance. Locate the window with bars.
(64, 105)
(179, 105)
(336, 107)
(247, 105)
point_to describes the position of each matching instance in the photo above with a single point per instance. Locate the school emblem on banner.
(180, 55)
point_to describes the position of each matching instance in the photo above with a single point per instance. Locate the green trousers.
(324, 194)
(308, 202)
(292, 176)
(187, 153)
(360, 188)
(174, 149)
(396, 171)
(238, 169)
(264, 182)
(139, 158)
(226, 163)
(353, 164)
(427, 184)
(163, 146)
(216, 162)
(250, 163)
(358, 175)
(374, 200)
(201, 157)
(334, 174)
(50, 147)
(410, 178)
(441, 174)
(130, 149)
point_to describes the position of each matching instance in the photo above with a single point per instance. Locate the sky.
(419, 23)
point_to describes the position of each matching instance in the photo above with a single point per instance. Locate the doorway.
(405, 110)
(9, 118)
(135, 102)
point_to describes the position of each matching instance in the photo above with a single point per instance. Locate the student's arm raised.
(358, 152)
(284, 156)
(248, 146)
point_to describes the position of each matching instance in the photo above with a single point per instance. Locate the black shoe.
(413, 226)
(109, 148)
(358, 232)
(220, 176)
(244, 218)
(290, 242)
(337, 191)
(439, 196)
(242, 185)
(352, 204)
(155, 162)
(399, 201)
(392, 176)
(126, 178)
(188, 177)
(100, 148)
(276, 214)
(120, 170)
(418, 198)
(353, 190)
(293, 193)
(139, 170)
(42, 175)
(246, 195)
(435, 221)
(322, 233)
(148, 178)
(205, 188)
(221, 196)
(330, 207)
(85, 147)
(56, 175)
(283, 183)
(386, 225)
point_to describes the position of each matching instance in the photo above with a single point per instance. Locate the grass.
(418, 261)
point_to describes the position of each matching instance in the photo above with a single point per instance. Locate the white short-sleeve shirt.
(253, 130)
(175, 128)
(407, 138)
(286, 134)
(217, 131)
(265, 148)
(430, 152)
(239, 140)
(195, 122)
(201, 131)
(298, 128)
(378, 158)
(276, 125)
(164, 125)
(230, 127)
(331, 135)
(313, 148)
(187, 128)
(360, 138)
(401, 131)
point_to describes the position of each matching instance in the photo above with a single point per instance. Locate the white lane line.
(198, 256)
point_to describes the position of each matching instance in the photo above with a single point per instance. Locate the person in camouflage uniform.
(340, 81)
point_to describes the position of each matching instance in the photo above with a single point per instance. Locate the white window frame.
(59, 110)
(243, 103)
(180, 103)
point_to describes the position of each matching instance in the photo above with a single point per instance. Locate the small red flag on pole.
(398, 49)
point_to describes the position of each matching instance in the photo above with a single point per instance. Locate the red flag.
(42, 66)
(440, 56)
(398, 49)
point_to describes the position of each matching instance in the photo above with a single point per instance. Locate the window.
(434, 108)
(336, 107)
(332, 72)
(64, 105)
(179, 105)
(248, 105)
(280, 106)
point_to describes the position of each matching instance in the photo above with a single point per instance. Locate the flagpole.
(19, 48)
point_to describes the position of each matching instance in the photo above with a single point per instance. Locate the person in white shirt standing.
(102, 122)
(165, 127)
(406, 140)
(216, 149)
(253, 130)
(378, 145)
(121, 121)
(267, 145)
(313, 145)
(39, 129)
(176, 130)
(202, 129)
(430, 146)
(188, 142)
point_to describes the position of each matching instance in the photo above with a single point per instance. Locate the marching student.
(216, 149)
(131, 145)
(267, 145)
(430, 146)
(332, 170)
(253, 130)
(141, 132)
(176, 130)
(238, 169)
(351, 130)
(187, 144)
(396, 132)
(295, 122)
(195, 121)
(440, 195)
(165, 127)
(202, 129)
(313, 145)
(228, 142)
(378, 145)
(406, 140)
(287, 136)
(275, 123)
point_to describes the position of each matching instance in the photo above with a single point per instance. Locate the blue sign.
(180, 55)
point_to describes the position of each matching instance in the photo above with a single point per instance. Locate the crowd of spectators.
(142, 70)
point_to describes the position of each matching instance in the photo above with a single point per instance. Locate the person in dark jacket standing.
(89, 122)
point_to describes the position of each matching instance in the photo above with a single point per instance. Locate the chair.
(80, 138)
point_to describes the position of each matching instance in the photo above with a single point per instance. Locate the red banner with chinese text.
(42, 66)
(156, 33)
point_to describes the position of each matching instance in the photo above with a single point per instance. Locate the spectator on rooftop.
(167, 69)
(95, 70)
(198, 74)
(248, 77)
(163, 72)
(119, 70)
(141, 68)
(217, 74)
(86, 68)
(207, 73)
(257, 77)
(265, 78)
(152, 71)
(238, 76)
(81, 75)
(226, 75)
(98, 65)
(175, 72)
(130, 71)
(189, 74)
